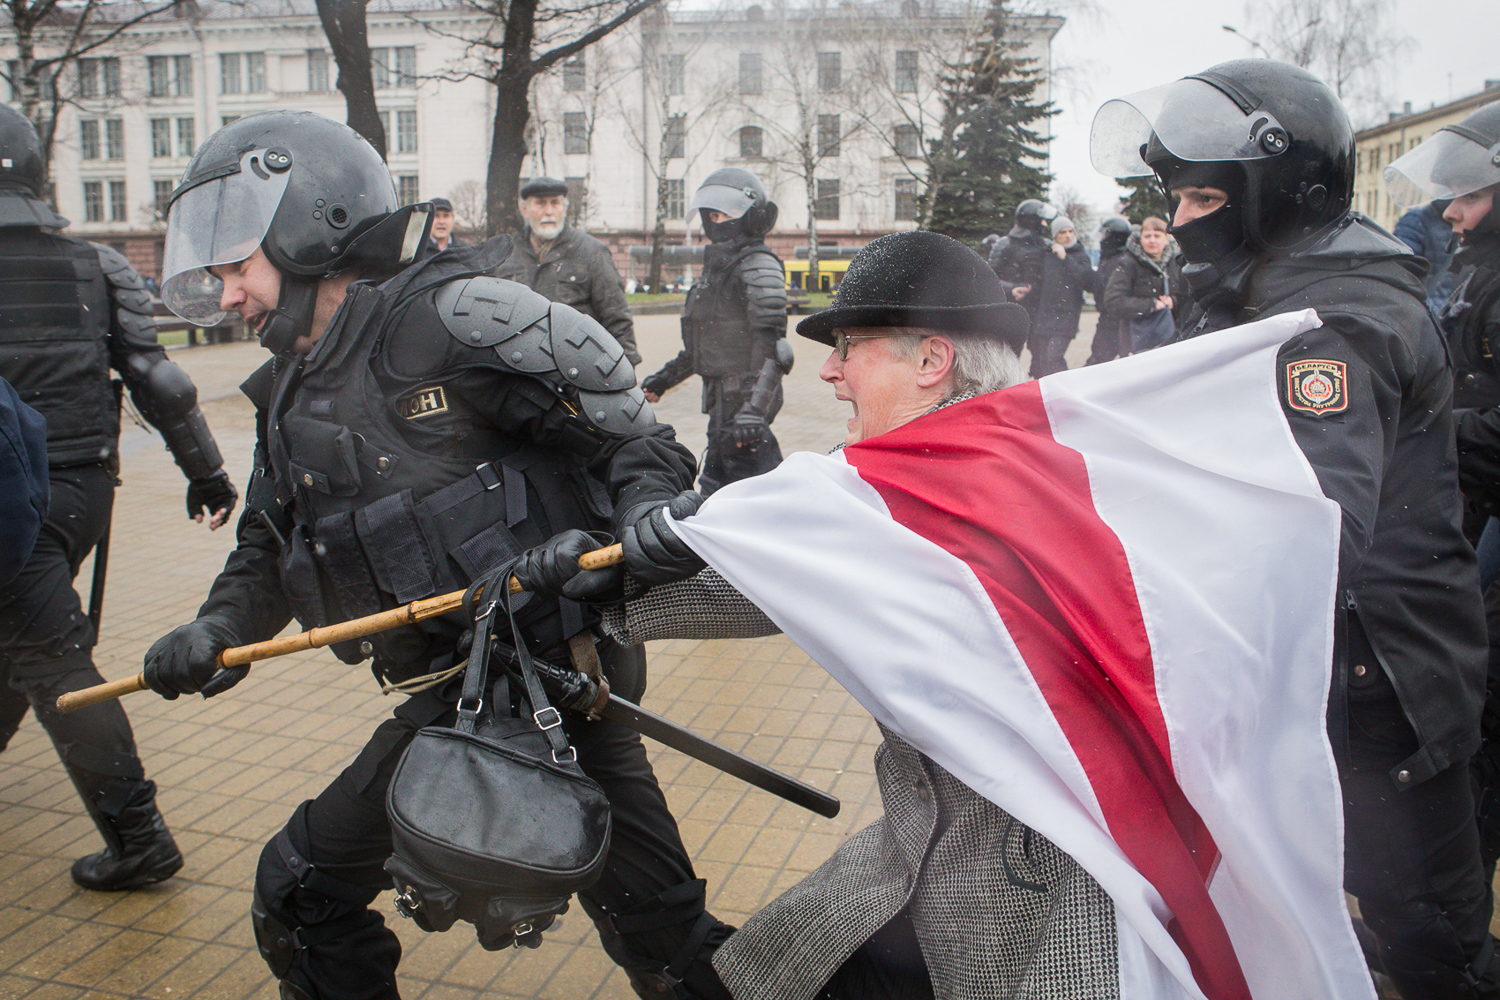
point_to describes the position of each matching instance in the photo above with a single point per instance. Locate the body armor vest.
(716, 319)
(1474, 303)
(54, 328)
(378, 509)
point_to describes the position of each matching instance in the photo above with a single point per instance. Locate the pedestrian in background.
(568, 265)
(1145, 290)
(1066, 273)
(441, 237)
(1108, 330)
(1430, 237)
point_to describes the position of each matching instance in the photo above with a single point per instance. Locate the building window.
(187, 141)
(752, 141)
(674, 137)
(93, 201)
(906, 199)
(88, 138)
(408, 191)
(826, 206)
(676, 65)
(906, 72)
(830, 71)
(182, 77)
(574, 72)
(255, 72)
(99, 77)
(114, 138)
(578, 199)
(395, 67)
(158, 76)
(828, 135)
(908, 140)
(161, 196)
(116, 201)
(750, 73)
(406, 131)
(575, 132)
(317, 70)
(229, 73)
(673, 197)
(161, 137)
(13, 71)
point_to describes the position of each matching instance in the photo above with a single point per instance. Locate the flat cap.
(544, 187)
(440, 204)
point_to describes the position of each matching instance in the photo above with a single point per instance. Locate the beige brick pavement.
(230, 770)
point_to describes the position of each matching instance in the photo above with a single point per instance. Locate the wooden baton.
(316, 638)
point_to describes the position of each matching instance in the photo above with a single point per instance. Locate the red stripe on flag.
(986, 481)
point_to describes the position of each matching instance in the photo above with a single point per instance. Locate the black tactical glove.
(186, 660)
(215, 492)
(747, 430)
(551, 568)
(653, 552)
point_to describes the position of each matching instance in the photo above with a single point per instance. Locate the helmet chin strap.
(292, 318)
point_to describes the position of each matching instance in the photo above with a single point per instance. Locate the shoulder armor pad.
(126, 288)
(762, 269)
(587, 356)
(504, 315)
(621, 412)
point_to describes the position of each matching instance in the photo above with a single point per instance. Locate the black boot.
(139, 850)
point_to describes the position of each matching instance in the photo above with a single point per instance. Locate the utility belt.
(399, 549)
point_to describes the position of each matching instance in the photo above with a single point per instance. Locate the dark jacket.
(1017, 258)
(23, 480)
(1368, 398)
(1471, 320)
(1429, 236)
(1137, 280)
(1060, 302)
(576, 270)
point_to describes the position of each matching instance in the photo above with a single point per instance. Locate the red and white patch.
(1317, 386)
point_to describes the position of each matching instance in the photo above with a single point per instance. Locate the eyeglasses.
(841, 340)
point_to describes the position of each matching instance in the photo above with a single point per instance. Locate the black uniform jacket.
(1471, 319)
(576, 270)
(480, 399)
(1060, 300)
(1368, 396)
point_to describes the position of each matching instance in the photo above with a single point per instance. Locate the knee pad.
(275, 941)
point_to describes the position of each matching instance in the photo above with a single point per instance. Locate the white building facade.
(832, 106)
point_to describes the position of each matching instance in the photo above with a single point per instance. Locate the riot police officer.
(1114, 233)
(731, 324)
(1018, 257)
(69, 312)
(1258, 157)
(418, 425)
(1460, 165)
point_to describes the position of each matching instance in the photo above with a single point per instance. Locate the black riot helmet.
(1454, 161)
(1272, 135)
(1035, 216)
(1114, 233)
(740, 195)
(311, 193)
(21, 174)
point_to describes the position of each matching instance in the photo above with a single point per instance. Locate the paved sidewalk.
(231, 770)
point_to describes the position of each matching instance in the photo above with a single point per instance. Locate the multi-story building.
(1376, 147)
(832, 105)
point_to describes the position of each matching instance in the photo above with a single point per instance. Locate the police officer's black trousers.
(349, 953)
(1412, 860)
(47, 640)
(724, 461)
(1047, 352)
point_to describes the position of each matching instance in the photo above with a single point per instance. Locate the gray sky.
(1137, 44)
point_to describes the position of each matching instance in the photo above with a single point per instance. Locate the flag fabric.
(1104, 601)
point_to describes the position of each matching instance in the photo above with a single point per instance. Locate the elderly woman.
(947, 895)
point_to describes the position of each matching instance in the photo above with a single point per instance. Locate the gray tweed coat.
(1000, 912)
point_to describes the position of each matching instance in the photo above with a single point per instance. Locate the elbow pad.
(160, 389)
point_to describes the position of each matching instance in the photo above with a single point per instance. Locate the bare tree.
(1352, 44)
(66, 33)
(808, 112)
(348, 36)
(468, 203)
(510, 44)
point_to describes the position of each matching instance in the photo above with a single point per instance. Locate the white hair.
(980, 363)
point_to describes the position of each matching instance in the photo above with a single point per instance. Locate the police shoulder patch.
(424, 402)
(1317, 386)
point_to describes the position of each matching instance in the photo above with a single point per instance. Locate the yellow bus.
(830, 273)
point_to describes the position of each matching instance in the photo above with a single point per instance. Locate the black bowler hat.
(922, 280)
(544, 187)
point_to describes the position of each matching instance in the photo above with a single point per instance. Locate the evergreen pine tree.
(984, 163)
(1145, 198)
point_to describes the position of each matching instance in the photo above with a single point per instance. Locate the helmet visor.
(219, 221)
(1447, 165)
(732, 201)
(1192, 119)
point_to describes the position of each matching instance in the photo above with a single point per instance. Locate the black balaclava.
(1214, 236)
(722, 232)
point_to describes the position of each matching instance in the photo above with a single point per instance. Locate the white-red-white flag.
(1104, 601)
